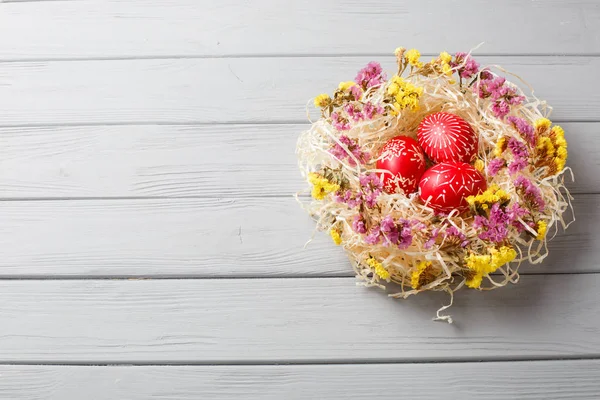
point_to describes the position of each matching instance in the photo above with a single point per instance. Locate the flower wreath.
(395, 235)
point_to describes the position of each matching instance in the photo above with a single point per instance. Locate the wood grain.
(179, 161)
(208, 238)
(88, 28)
(236, 90)
(291, 320)
(539, 380)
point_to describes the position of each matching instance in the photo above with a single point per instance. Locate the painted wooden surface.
(511, 380)
(299, 320)
(254, 90)
(150, 244)
(130, 28)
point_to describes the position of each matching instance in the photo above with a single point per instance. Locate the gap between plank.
(211, 123)
(259, 55)
(284, 363)
(188, 277)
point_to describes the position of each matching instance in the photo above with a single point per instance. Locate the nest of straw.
(433, 260)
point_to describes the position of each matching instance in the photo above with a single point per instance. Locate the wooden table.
(151, 246)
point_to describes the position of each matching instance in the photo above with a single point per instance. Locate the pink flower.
(374, 235)
(494, 228)
(468, 69)
(371, 75)
(432, 238)
(454, 234)
(530, 192)
(339, 123)
(358, 224)
(495, 166)
(352, 146)
(520, 154)
(523, 127)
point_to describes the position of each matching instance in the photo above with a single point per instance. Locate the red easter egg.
(447, 137)
(446, 186)
(405, 161)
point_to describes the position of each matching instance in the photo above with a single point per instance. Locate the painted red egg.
(405, 161)
(447, 137)
(446, 186)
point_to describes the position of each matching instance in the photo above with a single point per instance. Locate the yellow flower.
(393, 89)
(479, 165)
(561, 152)
(542, 228)
(335, 235)
(346, 85)
(542, 124)
(405, 93)
(445, 57)
(321, 186)
(482, 265)
(380, 271)
(492, 195)
(545, 144)
(322, 100)
(446, 69)
(412, 56)
(560, 163)
(419, 276)
(500, 146)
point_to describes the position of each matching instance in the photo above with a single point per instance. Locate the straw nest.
(442, 252)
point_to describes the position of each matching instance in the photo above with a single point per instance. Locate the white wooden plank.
(539, 380)
(209, 238)
(290, 320)
(236, 89)
(173, 160)
(78, 29)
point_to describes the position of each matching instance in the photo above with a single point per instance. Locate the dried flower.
(483, 265)
(358, 224)
(378, 268)
(322, 100)
(370, 76)
(321, 186)
(530, 193)
(542, 124)
(351, 147)
(542, 227)
(467, 66)
(495, 166)
(405, 94)
(523, 127)
(422, 275)
(335, 235)
(412, 56)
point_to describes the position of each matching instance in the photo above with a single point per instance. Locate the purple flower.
(523, 127)
(374, 235)
(356, 92)
(500, 109)
(494, 228)
(468, 66)
(339, 123)
(371, 75)
(371, 187)
(352, 145)
(514, 212)
(495, 165)
(350, 198)
(358, 224)
(432, 238)
(369, 110)
(503, 96)
(520, 154)
(530, 192)
(389, 230)
(454, 234)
